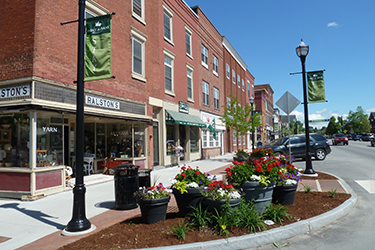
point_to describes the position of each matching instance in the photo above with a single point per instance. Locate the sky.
(341, 39)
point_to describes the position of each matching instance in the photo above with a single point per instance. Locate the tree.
(239, 117)
(358, 121)
(333, 127)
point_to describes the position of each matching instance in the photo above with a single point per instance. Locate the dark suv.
(319, 146)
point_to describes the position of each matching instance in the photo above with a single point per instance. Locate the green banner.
(315, 82)
(98, 48)
(211, 127)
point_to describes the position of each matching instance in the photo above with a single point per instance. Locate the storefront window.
(194, 139)
(49, 140)
(170, 139)
(89, 141)
(14, 140)
(100, 141)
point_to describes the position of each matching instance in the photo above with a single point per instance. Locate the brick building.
(264, 104)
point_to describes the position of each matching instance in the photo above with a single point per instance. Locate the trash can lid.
(125, 166)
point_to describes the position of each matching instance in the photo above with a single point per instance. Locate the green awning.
(173, 117)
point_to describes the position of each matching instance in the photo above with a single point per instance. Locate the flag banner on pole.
(211, 127)
(98, 48)
(315, 82)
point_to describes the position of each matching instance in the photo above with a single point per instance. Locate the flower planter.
(212, 204)
(154, 210)
(260, 195)
(284, 194)
(187, 201)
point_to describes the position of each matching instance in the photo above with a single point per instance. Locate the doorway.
(155, 135)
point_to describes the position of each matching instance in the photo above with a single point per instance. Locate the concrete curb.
(276, 234)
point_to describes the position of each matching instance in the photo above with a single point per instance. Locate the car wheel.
(320, 154)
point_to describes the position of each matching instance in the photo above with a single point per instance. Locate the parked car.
(349, 137)
(357, 137)
(367, 137)
(340, 138)
(319, 146)
(373, 142)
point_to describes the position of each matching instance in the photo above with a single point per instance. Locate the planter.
(212, 204)
(187, 201)
(260, 195)
(284, 194)
(154, 210)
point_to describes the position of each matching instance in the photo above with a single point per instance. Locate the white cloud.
(322, 111)
(333, 24)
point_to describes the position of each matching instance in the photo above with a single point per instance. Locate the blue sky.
(340, 35)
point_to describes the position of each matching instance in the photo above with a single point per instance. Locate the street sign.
(287, 103)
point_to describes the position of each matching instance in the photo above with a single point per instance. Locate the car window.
(318, 137)
(294, 140)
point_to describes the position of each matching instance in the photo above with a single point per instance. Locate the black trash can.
(126, 184)
(144, 176)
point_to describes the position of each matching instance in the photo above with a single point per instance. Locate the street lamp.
(252, 129)
(302, 50)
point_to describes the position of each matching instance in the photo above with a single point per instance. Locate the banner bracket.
(68, 22)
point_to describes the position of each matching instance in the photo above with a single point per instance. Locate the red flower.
(227, 169)
(183, 168)
(229, 173)
(197, 173)
(183, 175)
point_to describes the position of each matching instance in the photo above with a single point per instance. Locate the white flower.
(174, 181)
(192, 185)
(255, 178)
(290, 182)
(234, 195)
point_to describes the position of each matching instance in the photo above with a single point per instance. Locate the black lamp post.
(79, 222)
(302, 50)
(252, 129)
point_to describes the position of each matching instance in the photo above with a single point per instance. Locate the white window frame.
(217, 141)
(206, 92)
(211, 135)
(171, 56)
(239, 81)
(243, 139)
(243, 85)
(140, 18)
(216, 98)
(215, 65)
(228, 102)
(204, 138)
(191, 69)
(234, 139)
(228, 71)
(233, 76)
(169, 13)
(204, 52)
(248, 89)
(189, 38)
(137, 36)
(208, 140)
(239, 140)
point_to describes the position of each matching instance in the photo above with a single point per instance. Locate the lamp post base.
(68, 233)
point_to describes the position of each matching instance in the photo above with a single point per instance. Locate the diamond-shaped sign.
(287, 103)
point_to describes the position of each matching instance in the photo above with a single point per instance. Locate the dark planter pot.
(284, 194)
(154, 210)
(240, 158)
(187, 201)
(260, 195)
(217, 204)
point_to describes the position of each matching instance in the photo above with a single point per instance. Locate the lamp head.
(252, 100)
(302, 50)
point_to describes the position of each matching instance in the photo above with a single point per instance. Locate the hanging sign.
(98, 48)
(315, 82)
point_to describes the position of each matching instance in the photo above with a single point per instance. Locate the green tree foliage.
(239, 117)
(358, 121)
(333, 127)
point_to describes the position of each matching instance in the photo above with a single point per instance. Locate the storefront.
(38, 135)
(212, 137)
(182, 133)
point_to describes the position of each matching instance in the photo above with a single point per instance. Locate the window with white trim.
(138, 10)
(138, 54)
(233, 76)
(215, 65)
(204, 137)
(216, 98)
(206, 93)
(239, 81)
(243, 85)
(228, 102)
(208, 139)
(211, 138)
(168, 31)
(204, 56)
(217, 141)
(168, 71)
(228, 71)
(189, 82)
(188, 38)
(234, 138)
(239, 140)
(244, 139)
(248, 89)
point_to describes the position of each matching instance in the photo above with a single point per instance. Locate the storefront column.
(32, 150)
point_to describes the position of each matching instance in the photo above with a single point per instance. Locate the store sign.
(17, 91)
(184, 107)
(101, 102)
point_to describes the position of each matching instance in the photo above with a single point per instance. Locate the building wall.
(264, 103)
(17, 44)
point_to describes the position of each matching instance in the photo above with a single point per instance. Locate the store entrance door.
(155, 136)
